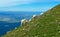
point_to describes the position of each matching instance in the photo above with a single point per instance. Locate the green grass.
(46, 25)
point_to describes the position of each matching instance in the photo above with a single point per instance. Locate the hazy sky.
(27, 5)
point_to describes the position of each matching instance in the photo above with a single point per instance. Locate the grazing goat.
(41, 13)
(30, 20)
(23, 21)
(34, 17)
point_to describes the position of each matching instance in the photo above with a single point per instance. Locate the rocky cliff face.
(46, 25)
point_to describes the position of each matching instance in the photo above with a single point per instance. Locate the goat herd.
(24, 21)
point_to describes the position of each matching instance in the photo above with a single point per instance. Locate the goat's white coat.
(8, 31)
(23, 21)
(41, 13)
(29, 20)
(34, 15)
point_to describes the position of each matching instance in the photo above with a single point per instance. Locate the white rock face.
(23, 21)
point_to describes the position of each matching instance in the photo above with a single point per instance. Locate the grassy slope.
(46, 25)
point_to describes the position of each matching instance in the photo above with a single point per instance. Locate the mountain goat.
(41, 13)
(23, 21)
(34, 17)
(30, 20)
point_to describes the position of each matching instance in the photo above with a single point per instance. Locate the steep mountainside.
(46, 25)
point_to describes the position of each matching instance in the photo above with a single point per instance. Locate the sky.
(27, 5)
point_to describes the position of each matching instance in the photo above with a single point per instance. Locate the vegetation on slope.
(46, 25)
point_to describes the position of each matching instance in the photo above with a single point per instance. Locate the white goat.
(34, 17)
(41, 13)
(30, 20)
(23, 21)
(8, 32)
